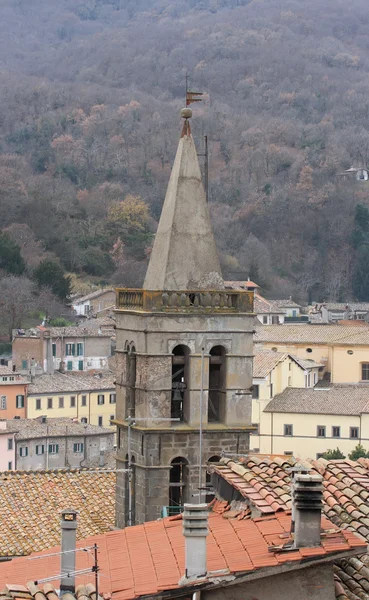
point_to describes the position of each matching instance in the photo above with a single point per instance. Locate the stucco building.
(307, 422)
(64, 348)
(59, 443)
(13, 393)
(7, 447)
(95, 303)
(184, 352)
(88, 398)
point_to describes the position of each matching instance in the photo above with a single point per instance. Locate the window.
(23, 451)
(10, 466)
(217, 385)
(315, 378)
(265, 319)
(24, 364)
(275, 320)
(38, 403)
(255, 392)
(336, 432)
(309, 380)
(61, 402)
(320, 431)
(84, 420)
(84, 401)
(49, 403)
(290, 366)
(79, 349)
(288, 453)
(54, 350)
(309, 350)
(112, 417)
(72, 401)
(10, 443)
(112, 399)
(78, 447)
(11, 378)
(101, 399)
(40, 449)
(288, 430)
(365, 371)
(69, 349)
(80, 365)
(19, 401)
(2, 402)
(100, 422)
(53, 448)
(69, 365)
(354, 433)
(289, 381)
(271, 390)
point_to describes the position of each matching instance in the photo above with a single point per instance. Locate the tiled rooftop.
(264, 483)
(93, 295)
(262, 305)
(31, 503)
(147, 560)
(335, 399)
(32, 428)
(265, 361)
(312, 334)
(70, 382)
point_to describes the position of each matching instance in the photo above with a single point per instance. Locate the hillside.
(90, 94)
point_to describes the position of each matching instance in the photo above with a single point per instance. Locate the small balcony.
(188, 301)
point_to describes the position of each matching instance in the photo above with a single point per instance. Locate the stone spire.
(184, 256)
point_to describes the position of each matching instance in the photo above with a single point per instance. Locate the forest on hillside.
(90, 96)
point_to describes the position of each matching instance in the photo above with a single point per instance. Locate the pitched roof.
(26, 429)
(6, 370)
(241, 285)
(78, 332)
(31, 502)
(149, 559)
(184, 255)
(306, 363)
(265, 361)
(70, 382)
(92, 295)
(337, 399)
(265, 483)
(285, 303)
(312, 334)
(347, 306)
(262, 305)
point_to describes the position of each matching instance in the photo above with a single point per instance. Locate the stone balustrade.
(220, 301)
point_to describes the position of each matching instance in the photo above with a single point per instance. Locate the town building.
(95, 304)
(342, 350)
(61, 348)
(184, 352)
(13, 393)
(7, 447)
(59, 443)
(307, 422)
(88, 398)
(273, 372)
(31, 503)
(218, 555)
(338, 311)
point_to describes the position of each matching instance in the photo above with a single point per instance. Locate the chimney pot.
(195, 531)
(307, 508)
(68, 547)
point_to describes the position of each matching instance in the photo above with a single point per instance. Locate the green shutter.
(80, 365)
(69, 365)
(73, 350)
(79, 349)
(54, 350)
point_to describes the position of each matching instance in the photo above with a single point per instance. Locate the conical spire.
(184, 256)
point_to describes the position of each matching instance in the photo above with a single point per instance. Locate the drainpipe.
(47, 448)
(271, 433)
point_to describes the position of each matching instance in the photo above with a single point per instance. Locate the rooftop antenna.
(190, 98)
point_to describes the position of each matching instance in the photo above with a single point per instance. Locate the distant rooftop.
(92, 295)
(53, 427)
(338, 399)
(70, 382)
(57, 332)
(312, 334)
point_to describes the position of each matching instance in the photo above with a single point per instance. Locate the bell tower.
(184, 352)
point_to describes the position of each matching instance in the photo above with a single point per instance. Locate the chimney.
(307, 509)
(195, 530)
(68, 547)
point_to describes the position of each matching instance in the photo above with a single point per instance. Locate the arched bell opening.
(217, 385)
(179, 408)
